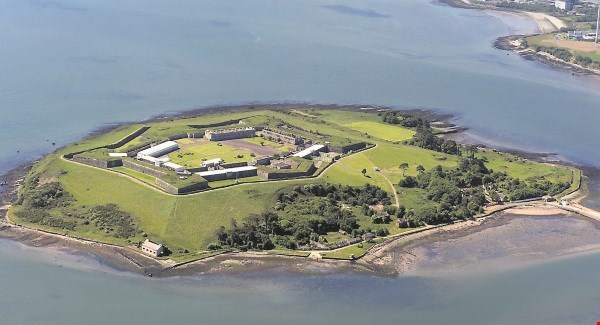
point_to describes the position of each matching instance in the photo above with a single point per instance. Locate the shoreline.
(513, 43)
(131, 260)
(546, 24)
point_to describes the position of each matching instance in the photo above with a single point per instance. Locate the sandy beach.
(546, 23)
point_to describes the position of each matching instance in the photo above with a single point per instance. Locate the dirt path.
(393, 190)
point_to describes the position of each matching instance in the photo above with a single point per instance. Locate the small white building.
(174, 167)
(212, 162)
(566, 5)
(314, 149)
(152, 248)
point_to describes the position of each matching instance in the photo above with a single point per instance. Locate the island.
(313, 182)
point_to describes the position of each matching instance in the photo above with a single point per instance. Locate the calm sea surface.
(68, 67)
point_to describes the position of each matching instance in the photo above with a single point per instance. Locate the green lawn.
(281, 147)
(381, 130)
(344, 253)
(135, 174)
(194, 150)
(524, 169)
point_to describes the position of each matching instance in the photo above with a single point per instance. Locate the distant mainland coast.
(547, 24)
(391, 253)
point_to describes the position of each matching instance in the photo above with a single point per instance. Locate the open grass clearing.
(381, 130)
(192, 151)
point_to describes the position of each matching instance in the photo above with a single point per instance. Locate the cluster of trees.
(404, 119)
(583, 60)
(42, 217)
(112, 221)
(311, 211)
(254, 233)
(560, 53)
(424, 138)
(351, 195)
(48, 195)
(38, 199)
(456, 191)
(521, 190)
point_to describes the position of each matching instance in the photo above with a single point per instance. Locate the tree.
(364, 172)
(471, 150)
(404, 167)
(420, 169)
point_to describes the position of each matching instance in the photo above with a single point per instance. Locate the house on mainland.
(153, 249)
(566, 5)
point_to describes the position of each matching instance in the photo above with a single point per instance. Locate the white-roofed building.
(152, 248)
(159, 149)
(155, 161)
(229, 173)
(312, 150)
(173, 166)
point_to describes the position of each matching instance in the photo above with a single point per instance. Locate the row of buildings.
(230, 134)
(155, 155)
(277, 135)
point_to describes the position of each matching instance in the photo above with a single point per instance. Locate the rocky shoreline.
(512, 43)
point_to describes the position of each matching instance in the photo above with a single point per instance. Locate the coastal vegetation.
(405, 177)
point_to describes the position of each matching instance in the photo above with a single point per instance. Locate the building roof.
(153, 160)
(227, 170)
(281, 163)
(212, 161)
(153, 151)
(248, 128)
(151, 245)
(308, 150)
(172, 165)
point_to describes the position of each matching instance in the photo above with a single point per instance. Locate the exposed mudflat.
(502, 241)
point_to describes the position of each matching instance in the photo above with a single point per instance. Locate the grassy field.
(383, 131)
(525, 169)
(357, 250)
(281, 147)
(194, 150)
(189, 222)
(583, 48)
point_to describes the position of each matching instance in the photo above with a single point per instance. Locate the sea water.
(70, 66)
